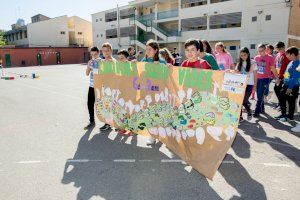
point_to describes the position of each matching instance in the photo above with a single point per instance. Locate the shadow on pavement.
(134, 180)
(258, 134)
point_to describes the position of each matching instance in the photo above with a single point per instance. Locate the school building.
(43, 31)
(38, 56)
(171, 22)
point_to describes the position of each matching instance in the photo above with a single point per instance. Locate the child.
(270, 50)
(248, 67)
(123, 55)
(208, 57)
(152, 53)
(265, 67)
(167, 56)
(152, 56)
(223, 58)
(131, 52)
(192, 49)
(291, 83)
(107, 54)
(92, 65)
(176, 56)
(207, 48)
(281, 63)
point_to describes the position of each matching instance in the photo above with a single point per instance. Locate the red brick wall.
(69, 55)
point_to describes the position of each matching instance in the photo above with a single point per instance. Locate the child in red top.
(192, 50)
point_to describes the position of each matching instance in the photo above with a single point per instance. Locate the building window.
(109, 17)
(230, 20)
(192, 24)
(79, 33)
(111, 33)
(62, 32)
(127, 13)
(192, 3)
(127, 31)
(252, 46)
(232, 48)
(96, 20)
(100, 19)
(254, 19)
(218, 1)
(268, 17)
(97, 35)
(17, 36)
(25, 34)
(21, 35)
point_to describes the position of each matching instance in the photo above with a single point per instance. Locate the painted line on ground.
(276, 165)
(145, 160)
(32, 161)
(78, 160)
(125, 160)
(228, 162)
(171, 161)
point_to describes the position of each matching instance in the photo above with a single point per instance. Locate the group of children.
(283, 68)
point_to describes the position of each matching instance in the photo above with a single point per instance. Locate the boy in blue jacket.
(290, 89)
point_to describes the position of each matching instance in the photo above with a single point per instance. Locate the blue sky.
(11, 10)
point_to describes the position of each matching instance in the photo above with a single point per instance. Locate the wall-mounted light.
(260, 12)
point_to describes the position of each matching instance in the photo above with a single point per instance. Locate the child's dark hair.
(208, 47)
(123, 52)
(240, 63)
(95, 49)
(194, 42)
(270, 47)
(130, 48)
(154, 44)
(280, 45)
(293, 50)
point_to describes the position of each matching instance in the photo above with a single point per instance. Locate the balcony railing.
(146, 17)
(167, 14)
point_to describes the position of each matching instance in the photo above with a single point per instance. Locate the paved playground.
(46, 154)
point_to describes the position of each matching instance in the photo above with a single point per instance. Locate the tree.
(2, 40)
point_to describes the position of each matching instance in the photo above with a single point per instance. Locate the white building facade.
(237, 23)
(60, 31)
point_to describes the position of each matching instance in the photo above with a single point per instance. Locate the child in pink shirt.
(223, 58)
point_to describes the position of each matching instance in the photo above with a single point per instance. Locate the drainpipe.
(118, 21)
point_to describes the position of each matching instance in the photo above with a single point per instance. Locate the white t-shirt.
(251, 72)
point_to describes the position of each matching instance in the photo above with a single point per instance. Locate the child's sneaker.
(296, 129)
(241, 119)
(105, 127)
(283, 119)
(89, 126)
(249, 115)
(279, 117)
(151, 141)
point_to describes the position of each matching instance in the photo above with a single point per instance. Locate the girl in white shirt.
(248, 67)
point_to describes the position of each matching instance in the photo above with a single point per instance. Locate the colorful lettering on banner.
(194, 112)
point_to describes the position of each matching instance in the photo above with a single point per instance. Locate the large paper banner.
(194, 112)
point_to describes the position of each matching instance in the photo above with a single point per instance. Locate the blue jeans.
(262, 87)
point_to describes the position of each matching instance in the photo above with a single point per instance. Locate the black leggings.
(246, 102)
(91, 103)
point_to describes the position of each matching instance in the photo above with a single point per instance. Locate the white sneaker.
(296, 128)
(151, 141)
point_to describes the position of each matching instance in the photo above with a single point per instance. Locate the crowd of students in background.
(261, 69)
